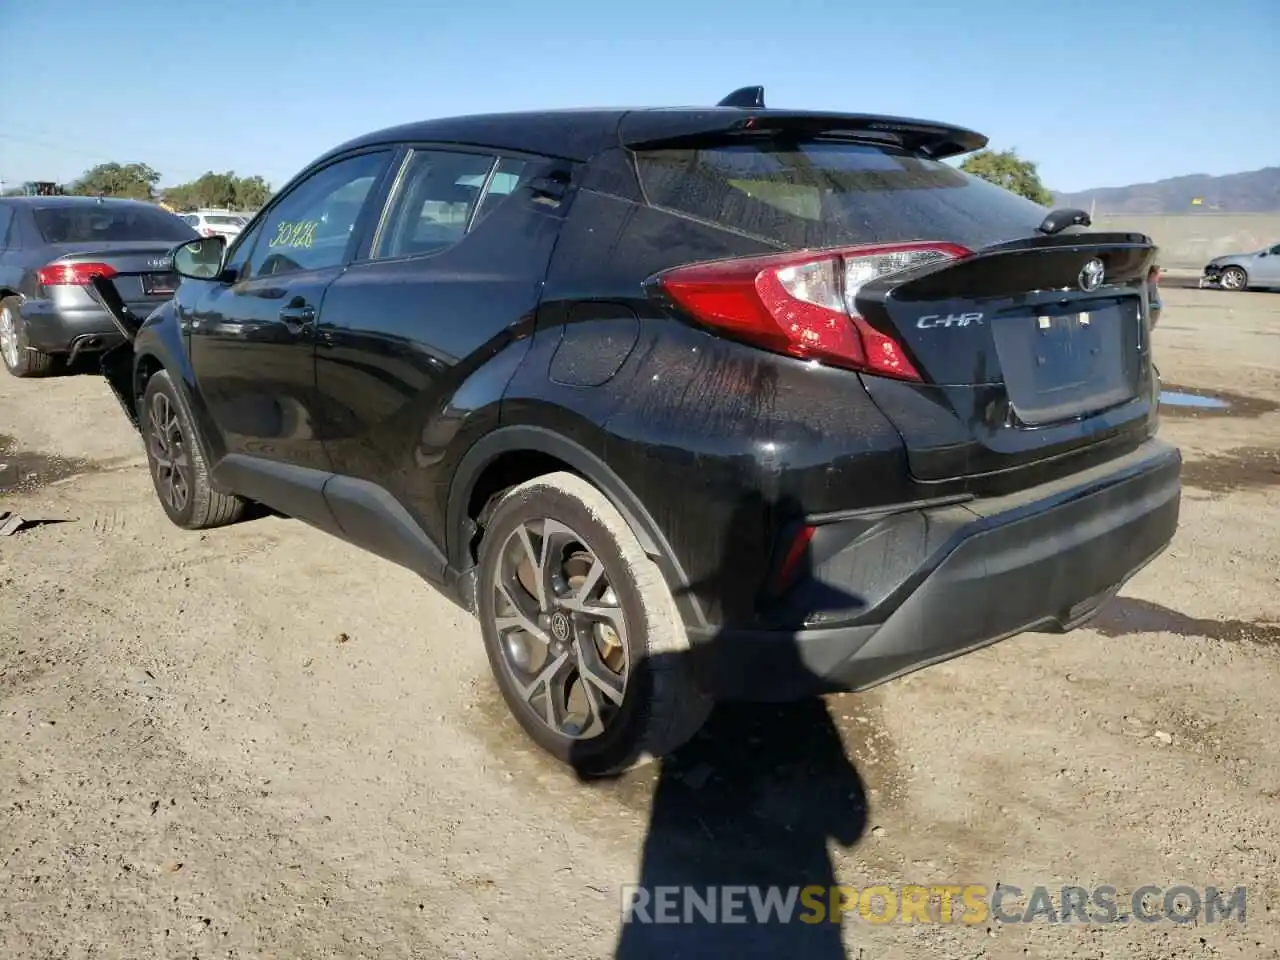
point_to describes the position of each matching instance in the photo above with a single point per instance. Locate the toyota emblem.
(1091, 276)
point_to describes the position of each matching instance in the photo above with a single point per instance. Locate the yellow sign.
(1196, 201)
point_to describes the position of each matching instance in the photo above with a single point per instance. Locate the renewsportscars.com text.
(935, 903)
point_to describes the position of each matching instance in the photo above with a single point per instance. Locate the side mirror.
(200, 259)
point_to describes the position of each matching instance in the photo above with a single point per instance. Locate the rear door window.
(509, 176)
(437, 196)
(822, 193)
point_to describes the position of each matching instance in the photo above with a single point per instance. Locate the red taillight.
(803, 304)
(206, 231)
(1153, 276)
(72, 274)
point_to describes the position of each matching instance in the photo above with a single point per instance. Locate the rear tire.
(178, 462)
(20, 359)
(1234, 278)
(603, 611)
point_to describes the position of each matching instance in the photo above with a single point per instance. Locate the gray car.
(50, 247)
(1240, 271)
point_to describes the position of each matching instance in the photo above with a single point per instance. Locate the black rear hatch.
(1033, 350)
(1028, 350)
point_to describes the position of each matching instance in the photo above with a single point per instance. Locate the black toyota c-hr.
(683, 404)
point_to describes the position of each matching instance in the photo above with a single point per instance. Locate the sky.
(1096, 92)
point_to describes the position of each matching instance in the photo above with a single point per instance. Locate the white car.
(210, 222)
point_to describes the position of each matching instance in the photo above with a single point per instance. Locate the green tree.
(252, 193)
(1006, 169)
(220, 190)
(136, 181)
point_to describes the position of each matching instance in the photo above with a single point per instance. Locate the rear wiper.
(1059, 220)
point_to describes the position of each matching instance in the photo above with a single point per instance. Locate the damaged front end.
(1212, 277)
(117, 362)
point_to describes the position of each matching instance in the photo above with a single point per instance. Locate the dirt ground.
(260, 742)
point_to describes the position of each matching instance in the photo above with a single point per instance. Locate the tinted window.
(106, 222)
(434, 202)
(824, 193)
(240, 247)
(310, 227)
(510, 175)
(222, 221)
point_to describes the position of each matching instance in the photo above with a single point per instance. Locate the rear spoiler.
(743, 113)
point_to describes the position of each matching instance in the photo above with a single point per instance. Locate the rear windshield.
(224, 221)
(90, 223)
(823, 193)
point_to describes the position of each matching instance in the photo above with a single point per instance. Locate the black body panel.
(413, 354)
(947, 581)
(387, 400)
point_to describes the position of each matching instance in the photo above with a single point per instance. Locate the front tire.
(1234, 278)
(20, 358)
(178, 463)
(581, 630)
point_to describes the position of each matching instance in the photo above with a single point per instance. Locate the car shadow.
(752, 802)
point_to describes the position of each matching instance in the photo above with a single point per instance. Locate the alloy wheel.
(1233, 279)
(561, 629)
(170, 460)
(8, 338)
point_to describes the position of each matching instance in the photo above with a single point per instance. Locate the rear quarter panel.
(722, 443)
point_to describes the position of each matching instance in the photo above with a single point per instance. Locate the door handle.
(297, 315)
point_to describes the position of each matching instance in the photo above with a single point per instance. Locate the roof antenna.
(745, 98)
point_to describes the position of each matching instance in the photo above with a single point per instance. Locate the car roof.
(77, 201)
(571, 134)
(580, 134)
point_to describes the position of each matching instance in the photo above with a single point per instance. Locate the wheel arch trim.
(162, 344)
(533, 439)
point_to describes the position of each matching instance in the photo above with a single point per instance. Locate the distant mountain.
(1257, 191)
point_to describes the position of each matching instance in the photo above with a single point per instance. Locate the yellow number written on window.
(294, 235)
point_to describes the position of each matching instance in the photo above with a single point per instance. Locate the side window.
(1275, 251)
(311, 226)
(240, 249)
(434, 203)
(6, 218)
(509, 177)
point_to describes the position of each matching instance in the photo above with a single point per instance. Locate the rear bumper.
(888, 595)
(55, 329)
